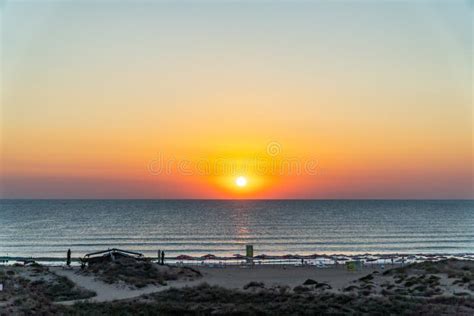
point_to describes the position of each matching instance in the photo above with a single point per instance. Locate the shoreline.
(315, 259)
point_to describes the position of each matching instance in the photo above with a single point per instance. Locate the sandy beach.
(231, 277)
(236, 277)
(124, 284)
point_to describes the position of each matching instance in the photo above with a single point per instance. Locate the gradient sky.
(377, 93)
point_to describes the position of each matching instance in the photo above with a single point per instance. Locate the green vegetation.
(33, 289)
(409, 290)
(253, 285)
(213, 300)
(138, 273)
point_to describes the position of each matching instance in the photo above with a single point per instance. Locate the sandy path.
(110, 292)
(232, 277)
(237, 277)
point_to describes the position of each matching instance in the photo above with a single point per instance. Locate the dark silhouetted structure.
(68, 257)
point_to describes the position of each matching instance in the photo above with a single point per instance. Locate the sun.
(241, 181)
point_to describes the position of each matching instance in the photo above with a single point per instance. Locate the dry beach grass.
(138, 273)
(34, 289)
(429, 288)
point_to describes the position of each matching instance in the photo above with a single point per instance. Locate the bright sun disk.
(241, 181)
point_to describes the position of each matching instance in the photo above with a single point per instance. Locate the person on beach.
(68, 257)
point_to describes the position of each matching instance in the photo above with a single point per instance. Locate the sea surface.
(47, 228)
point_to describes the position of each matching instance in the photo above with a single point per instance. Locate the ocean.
(47, 228)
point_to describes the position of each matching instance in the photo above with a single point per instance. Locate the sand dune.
(233, 277)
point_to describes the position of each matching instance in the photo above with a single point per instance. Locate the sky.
(177, 99)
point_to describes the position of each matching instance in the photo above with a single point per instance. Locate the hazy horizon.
(228, 199)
